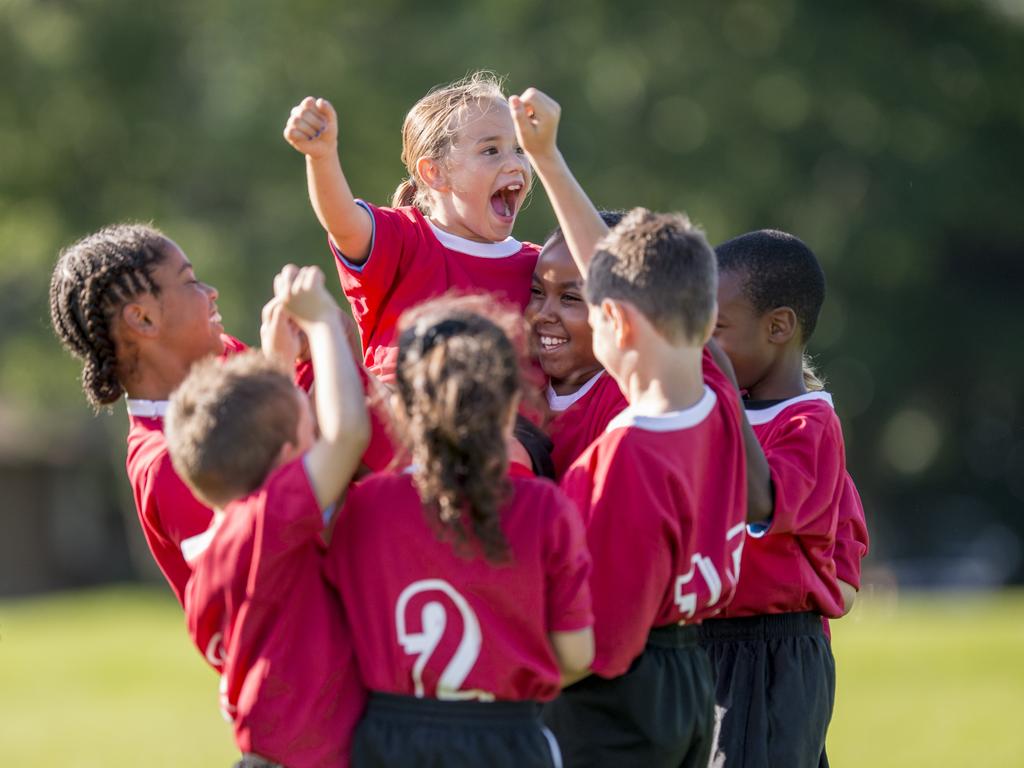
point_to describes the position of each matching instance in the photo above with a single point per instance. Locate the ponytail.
(405, 194)
(457, 377)
(92, 280)
(812, 379)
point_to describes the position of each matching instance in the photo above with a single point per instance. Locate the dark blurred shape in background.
(887, 136)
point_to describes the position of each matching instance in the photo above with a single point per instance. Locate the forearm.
(342, 417)
(760, 495)
(336, 208)
(582, 226)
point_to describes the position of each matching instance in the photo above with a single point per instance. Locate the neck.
(572, 383)
(153, 378)
(783, 379)
(664, 378)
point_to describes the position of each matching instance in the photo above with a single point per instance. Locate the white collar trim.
(507, 247)
(147, 409)
(560, 403)
(765, 415)
(194, 546)
(667, 422)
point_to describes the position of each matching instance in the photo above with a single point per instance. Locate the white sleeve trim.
(373, 238)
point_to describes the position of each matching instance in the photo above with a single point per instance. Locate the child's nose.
(212, 291)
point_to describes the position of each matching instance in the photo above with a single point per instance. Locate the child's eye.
(490, 151)
(568, 298)
(519, 151)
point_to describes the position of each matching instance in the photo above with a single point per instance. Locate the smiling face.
(484, 177)
(557, 314)
(189, 323)
(741, 332)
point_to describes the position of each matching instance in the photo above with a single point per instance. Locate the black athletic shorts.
(774, 690)
(399, 731)
(660, 713)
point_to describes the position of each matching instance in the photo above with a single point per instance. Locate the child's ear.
(140, 316)
(432, 173)
(620, 314)
(709, 331)
(781, 325)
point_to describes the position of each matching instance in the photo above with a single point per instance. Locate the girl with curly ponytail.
(126, 302)
(480, 588)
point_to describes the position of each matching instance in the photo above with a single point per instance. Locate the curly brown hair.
(92, 280)
(458, 382)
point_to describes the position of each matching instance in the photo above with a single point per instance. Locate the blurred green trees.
(886, 135)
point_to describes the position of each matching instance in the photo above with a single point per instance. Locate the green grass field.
(108, 678)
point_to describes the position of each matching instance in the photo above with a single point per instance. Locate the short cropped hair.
(777, 270)
(610, 218)
(227, 422)
(663, 265)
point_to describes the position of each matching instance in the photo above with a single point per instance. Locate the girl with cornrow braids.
(126, 302)
(484, 603)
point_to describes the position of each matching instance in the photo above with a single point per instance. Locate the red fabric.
(258, 609)
(574, 429)
(851, 535)
(407, 266)
(662, 510)
(168, 512)
(791, 567)
(384, 547)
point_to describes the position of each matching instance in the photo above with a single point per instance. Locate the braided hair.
(93, 279)
(457, 376)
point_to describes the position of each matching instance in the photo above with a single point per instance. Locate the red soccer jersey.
(168, 512)
(789, 567)
(411, 261)
(381, 448)
(432, 623)
(851, 535)
(258, 609)
(664, 499)
(580, 418)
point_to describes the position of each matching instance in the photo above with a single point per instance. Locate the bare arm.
(312, 129)
(575, 653)
(760, 495)
(849, 593)
(536, 115)
(340, 405)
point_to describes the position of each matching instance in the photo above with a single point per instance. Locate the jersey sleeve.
(368, 285)
(807, 464)
(631, 564)
(180, 515)
(288, 518)
(567, 569)
(851, 535)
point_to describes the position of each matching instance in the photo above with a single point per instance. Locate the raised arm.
(340, 405)
(536, 115)
(312, 129)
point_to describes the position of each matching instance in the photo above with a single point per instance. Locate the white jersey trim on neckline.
(194, 546)
(764, 415)
(507, 247)
(147, 409)
(560, 403)
(667, 422)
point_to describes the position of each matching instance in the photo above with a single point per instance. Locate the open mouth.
(505, 201)
(215, 318)
(551, 343)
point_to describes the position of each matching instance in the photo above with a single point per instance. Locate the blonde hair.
(813, 380)
(432, 122)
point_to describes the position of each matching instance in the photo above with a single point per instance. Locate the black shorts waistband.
(767, 627)
(673, 636)
(465, 713)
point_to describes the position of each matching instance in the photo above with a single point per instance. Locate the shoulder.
(811, 409)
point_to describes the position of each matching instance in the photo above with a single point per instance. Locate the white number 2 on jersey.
(686, 591)
(433, 620)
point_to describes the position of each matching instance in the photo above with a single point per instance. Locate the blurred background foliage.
(887, 135)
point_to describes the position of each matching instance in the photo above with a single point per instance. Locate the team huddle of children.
(431, 566)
